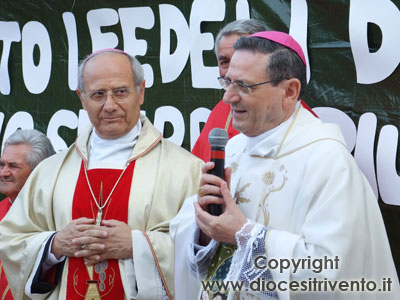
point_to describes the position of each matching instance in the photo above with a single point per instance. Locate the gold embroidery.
(5, 292)
(274, 189)
(268, 178)
(92, 291)
(228, 120)
(7, 288)
(288, 130)
(104, 285)
(239, 194)
(278, 152)
(306, 145)
(265, 211)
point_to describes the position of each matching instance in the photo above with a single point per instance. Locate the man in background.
(23, 151)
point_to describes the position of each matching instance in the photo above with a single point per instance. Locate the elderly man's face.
(264, 108)
(225, 51)
(107, 72)
(14, 170)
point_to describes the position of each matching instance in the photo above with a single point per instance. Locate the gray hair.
(241, 27)
(137, 69)
(284, 63)
(41, 146)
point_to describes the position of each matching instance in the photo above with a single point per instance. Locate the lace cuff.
(248, 240)
(199, 257)
(248, 230)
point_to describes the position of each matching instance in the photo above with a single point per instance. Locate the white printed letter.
(21, 119)
(132, 18)
(9, 32)
(172, 115)
(172, 65)
(374, 67)
(242, 10)
(70, 27)
(62, 117)
(204, 10)
(98, 18)
(364, 152)
(388, 178)
(346, 124)
(298, 27)
(36, 78)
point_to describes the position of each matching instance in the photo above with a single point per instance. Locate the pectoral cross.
(100, 211)
(99, 215)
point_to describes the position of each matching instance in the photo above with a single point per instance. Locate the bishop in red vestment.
(92, 222)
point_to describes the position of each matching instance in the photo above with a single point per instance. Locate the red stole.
(5, 205)
(106, 278)
(5, 292)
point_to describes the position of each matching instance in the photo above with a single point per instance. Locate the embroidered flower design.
(268, 178)
(275, 182)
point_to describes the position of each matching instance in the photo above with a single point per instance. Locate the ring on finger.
(83, 247)
(201, 192)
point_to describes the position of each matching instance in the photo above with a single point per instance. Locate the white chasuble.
(307, 202)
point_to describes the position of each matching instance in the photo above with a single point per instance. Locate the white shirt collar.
(112, 153)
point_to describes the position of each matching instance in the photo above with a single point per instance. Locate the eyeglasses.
(241, 87)
(120, 95)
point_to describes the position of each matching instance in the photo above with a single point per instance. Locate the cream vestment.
(164, 175)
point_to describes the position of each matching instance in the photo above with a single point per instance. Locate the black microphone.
(218, 138)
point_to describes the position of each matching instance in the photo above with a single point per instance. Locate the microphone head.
(218, 137)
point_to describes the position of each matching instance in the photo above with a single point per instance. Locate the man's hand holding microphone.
(217, 214)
